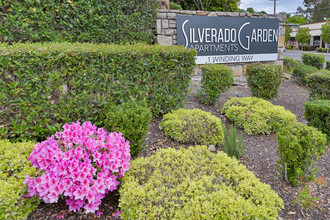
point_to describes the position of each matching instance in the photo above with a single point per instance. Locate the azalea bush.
(82, 163)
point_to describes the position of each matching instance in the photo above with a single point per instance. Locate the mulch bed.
(259, 157)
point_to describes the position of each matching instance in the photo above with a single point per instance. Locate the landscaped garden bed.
(260, 157)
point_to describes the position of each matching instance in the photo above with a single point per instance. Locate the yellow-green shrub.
(194, 183)
(193, 126)
(14, 166)
(256, 115)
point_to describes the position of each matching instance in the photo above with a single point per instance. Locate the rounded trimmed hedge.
(256, 115)
(194, 183)
(193, 126)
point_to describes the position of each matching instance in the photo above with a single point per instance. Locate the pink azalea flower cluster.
(82, 163)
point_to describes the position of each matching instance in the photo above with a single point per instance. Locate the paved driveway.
(297, 54)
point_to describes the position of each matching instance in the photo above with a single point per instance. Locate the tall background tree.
(317, 10)
(297, 19)
(209, 5)
(287, 33)
(303, 35)
(325, 35)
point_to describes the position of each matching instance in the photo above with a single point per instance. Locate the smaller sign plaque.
(229, 39)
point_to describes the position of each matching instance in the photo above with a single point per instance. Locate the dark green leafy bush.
(216, 79)
(319, 82)
(316, 60)
(264, 80)
(290, 63)
(233, 144)
(44, 86)
(132, 120)
(307, 47)
(256, 115)
(192, 126)
(194, 183)
(14, 166)
(317, 113)
(300, 147)
(321, 50)
(301, 73)
(100, 21)
(327, 65)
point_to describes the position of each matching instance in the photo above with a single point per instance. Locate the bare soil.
(259, 157)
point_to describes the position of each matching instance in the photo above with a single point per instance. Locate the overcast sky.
(268, 6)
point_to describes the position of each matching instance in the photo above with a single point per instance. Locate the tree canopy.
(287, 33)
(303, 35)
(297, 19)
(326, 32)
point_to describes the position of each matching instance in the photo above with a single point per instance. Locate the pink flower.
(117, 214)
(81, 162)
(91, 208)
(98, 213)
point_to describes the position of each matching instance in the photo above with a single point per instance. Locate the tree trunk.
(165, 4)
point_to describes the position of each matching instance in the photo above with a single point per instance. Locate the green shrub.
(307, 47)
(300, 147)
(317, 113)
(100, 21)
(233, 144)
(316, 60)
(301, 73)
(193, 126)
(132, 120)
(321, 50)
(319, 82)
(328, 65)
(174, 6)
(289, 47)
(290, 63)
(14, 166)
(44, 86)
(256, 115)
(216, 79)
(194, 183)
(264, 80)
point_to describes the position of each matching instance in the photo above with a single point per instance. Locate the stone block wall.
(166, 31)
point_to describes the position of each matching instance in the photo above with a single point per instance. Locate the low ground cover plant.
(264, 80)
(216, 79)
(81, 163)
(327, 65)
(316, 60)
(132, 120)
(44, 86)
(256, 115)
(194, 183)
(14, 166)
(193, 126)
(300, 147)
(317, 113)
